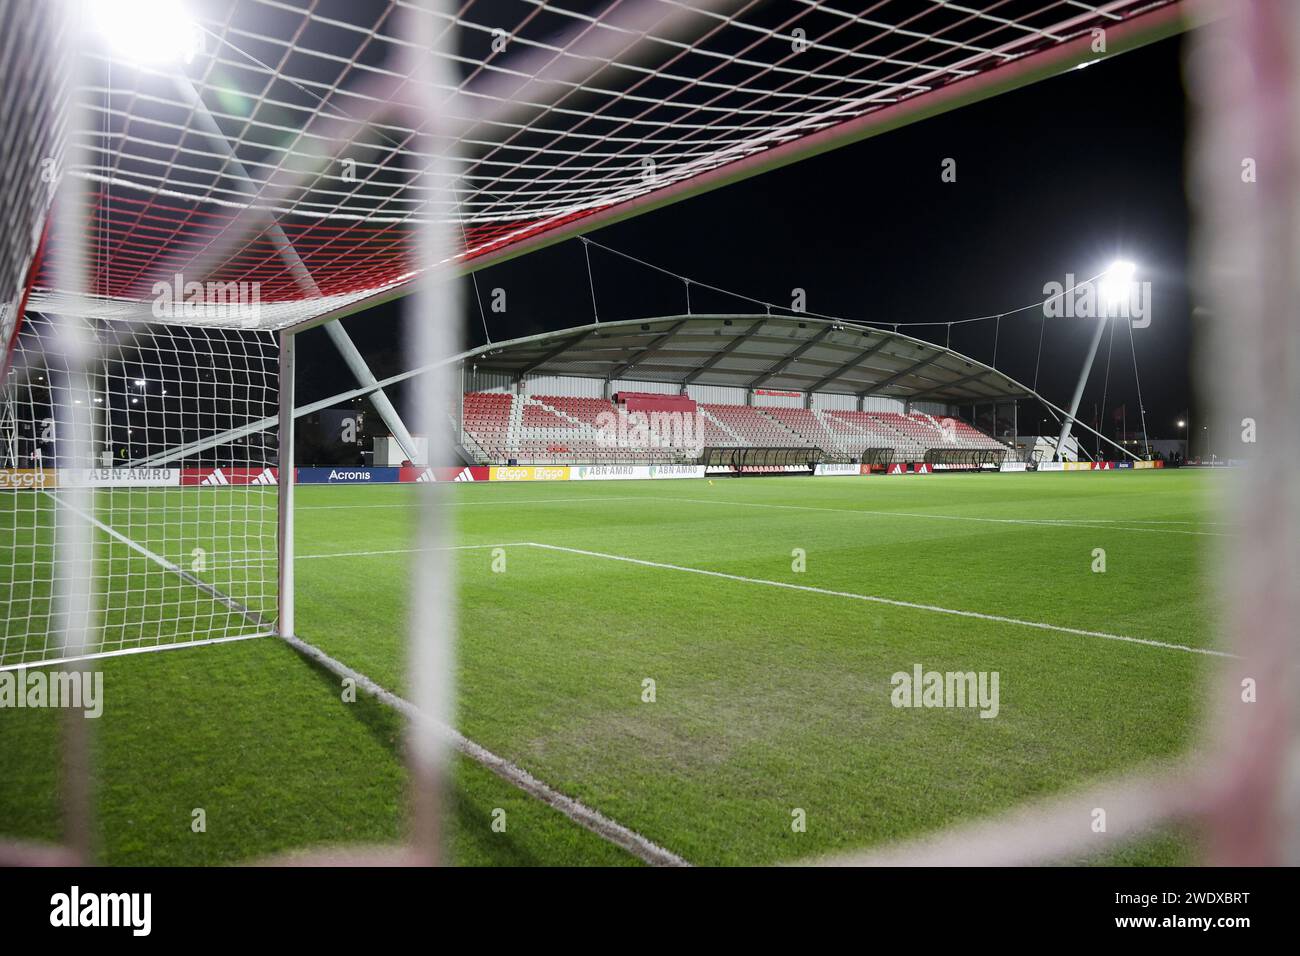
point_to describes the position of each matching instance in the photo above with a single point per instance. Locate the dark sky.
(1064, 176)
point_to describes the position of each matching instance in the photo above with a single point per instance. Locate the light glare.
(1116, 282)
(147, 31)
(1122, 270)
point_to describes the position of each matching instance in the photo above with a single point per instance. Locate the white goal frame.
(285, 595)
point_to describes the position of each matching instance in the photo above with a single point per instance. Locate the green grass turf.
(768, 699)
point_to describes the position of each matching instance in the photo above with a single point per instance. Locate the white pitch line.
(642, 848)
(367, 554)
(1043, 522)
(261, 562)
(128, 651)
(472, 504)
(1063, 629)
(912, 605)
(935, 609)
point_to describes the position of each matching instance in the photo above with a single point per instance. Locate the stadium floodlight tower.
(1113, 288)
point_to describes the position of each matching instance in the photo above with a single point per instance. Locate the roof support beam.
(653, 348)
(725, 351)
(911, 369)
(552, 354)
(785, 363)
(968, 378)
(969, 397)
(852, 363)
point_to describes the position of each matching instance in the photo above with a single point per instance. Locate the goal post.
(284, 503)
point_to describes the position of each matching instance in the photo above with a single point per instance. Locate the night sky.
(1063, 176)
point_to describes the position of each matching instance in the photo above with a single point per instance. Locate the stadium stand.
(751, 427)
(487, 421)
(971, 437)
(862, 430)
(564, 429)
(584, 410)
(807, 425)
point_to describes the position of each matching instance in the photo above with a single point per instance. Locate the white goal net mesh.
(183, 488)
(299, 123)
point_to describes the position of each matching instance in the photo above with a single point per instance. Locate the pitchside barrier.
(221, 476)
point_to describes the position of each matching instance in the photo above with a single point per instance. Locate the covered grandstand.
(669, 389)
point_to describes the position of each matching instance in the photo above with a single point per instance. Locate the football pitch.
(704, 663)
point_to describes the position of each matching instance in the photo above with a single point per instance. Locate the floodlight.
(1116, 282)
(147, 31)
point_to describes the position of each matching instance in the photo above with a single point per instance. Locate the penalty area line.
(852, 595)
(893, 602)
(388, 551)
(371, 554)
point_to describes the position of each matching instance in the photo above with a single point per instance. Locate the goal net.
(182, 487)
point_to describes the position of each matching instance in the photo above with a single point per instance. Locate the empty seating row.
(806, 424)
(861, 430)
(752, 427)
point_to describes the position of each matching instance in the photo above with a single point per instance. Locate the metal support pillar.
(1078, 389)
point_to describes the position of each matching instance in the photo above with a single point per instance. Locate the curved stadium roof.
(754, 351)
